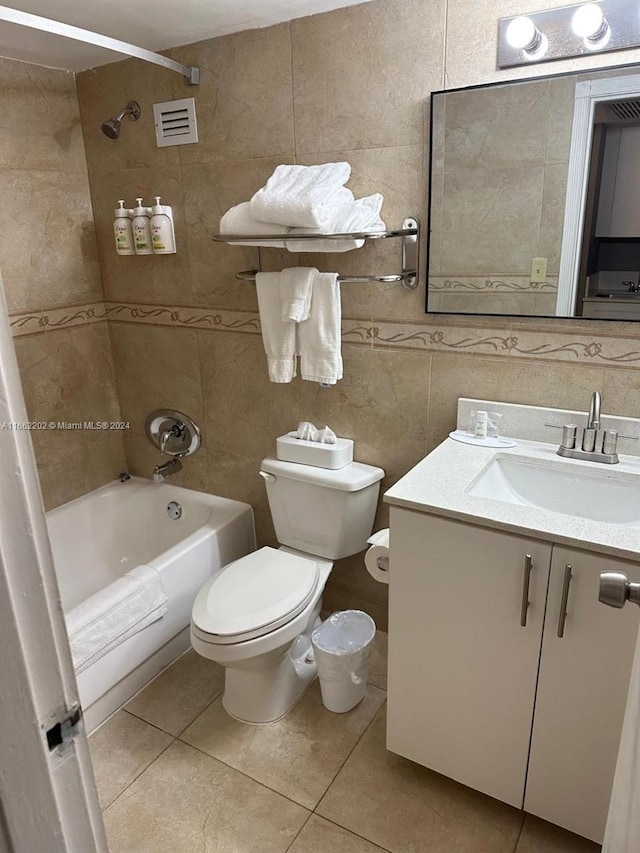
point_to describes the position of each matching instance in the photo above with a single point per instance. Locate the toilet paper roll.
(377, 557)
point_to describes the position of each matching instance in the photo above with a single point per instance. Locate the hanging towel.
(363, 214)
(115, 613)
(296, 287)
(278, 337)
(319, 336)
(238, 220)
(303, 196)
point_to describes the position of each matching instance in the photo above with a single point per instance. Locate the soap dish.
(489, 441)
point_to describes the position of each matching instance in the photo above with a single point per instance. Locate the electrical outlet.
(538, 270)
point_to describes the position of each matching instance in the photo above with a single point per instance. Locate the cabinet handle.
(528, 565)
(565, 599)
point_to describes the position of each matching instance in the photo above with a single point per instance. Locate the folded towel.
(115, 613)
(363, 214)
(278, 337)
(303, 196)
(296, 286)
(238, 220)
(319, 336)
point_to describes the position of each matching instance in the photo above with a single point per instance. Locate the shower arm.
(191, 73)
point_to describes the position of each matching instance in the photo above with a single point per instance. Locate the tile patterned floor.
(176, 774)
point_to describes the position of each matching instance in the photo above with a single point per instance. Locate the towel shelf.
(410, 234)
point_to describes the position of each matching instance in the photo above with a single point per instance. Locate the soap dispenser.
(141, 230)
(123, 231)
(163, 238)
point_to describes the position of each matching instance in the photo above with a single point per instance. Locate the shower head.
(111, 127)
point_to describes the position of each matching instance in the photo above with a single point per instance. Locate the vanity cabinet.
(507, 708)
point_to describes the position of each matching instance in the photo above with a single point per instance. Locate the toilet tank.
(327, 513)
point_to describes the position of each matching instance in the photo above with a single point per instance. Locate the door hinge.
(64, 729)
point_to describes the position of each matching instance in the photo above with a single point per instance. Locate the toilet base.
(265, 693)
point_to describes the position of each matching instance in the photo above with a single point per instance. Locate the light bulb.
(590, 24)
(522, 34)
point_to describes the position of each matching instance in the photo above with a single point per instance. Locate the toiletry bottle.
(163, 238)
(123, 231)
(481, 424)
(141, 230)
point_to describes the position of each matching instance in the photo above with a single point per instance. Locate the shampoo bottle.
(123, 231)
(163, 238)
(141, 230)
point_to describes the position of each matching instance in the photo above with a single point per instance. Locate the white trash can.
(342, 645)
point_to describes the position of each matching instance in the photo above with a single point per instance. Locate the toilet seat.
(254, 595)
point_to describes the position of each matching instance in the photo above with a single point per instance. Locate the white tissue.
(376, 558)
(326, 436)
(306, 431)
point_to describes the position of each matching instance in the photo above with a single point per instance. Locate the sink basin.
(574, 490)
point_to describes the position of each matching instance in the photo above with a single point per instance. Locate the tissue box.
(289, 448)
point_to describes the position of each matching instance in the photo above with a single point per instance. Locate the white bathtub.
(104, 534)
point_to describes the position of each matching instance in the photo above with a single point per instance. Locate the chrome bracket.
(410, 253)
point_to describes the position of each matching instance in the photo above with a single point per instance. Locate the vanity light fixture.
(568, 31)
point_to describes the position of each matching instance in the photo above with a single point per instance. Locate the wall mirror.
(535, 197)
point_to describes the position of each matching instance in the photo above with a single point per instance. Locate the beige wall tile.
(120, 751)
(174, 699)
(39, 119)
(398, 804)
(188, 801)
(297, 756)
(355, 82)
(244, 102)
(48, 253)
(157, 368)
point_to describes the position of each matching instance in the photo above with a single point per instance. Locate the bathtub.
(102, 535)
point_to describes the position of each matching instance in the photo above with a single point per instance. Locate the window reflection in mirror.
(503, 197)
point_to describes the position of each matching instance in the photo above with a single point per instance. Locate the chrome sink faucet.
(594, 411)
(595, 444)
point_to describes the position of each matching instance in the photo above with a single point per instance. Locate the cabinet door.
(582, 691)
(462, 669)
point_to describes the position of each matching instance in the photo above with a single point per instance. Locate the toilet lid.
(266, 587)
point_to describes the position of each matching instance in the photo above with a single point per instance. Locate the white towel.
(238, 220)
(278, 337)
(363, 214)
(319, 336)
(115, 613)
(303, 196)
(296, 287)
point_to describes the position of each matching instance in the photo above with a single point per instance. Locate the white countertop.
(437, 485)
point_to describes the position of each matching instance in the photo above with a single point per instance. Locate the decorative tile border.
(492, 284)
(36, 322)
(577, 343)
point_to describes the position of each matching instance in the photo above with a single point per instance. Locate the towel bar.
(410, 234)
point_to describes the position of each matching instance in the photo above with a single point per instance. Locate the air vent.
(626, 110)
(175, 122)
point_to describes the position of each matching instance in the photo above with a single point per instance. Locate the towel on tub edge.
(115, 613)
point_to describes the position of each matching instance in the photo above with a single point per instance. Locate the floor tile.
(538, 836)
(175, 698)
(120, 750)
(378, 665)
(321, 836)
(297, 756)
(406, 808)
(187, 802)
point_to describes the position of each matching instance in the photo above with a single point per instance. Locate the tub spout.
(162, 471)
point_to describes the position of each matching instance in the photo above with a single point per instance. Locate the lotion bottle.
(123, 231)
(163, 238)
(481, 424)
(141, 230)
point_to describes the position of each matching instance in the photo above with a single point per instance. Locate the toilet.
(255, 616)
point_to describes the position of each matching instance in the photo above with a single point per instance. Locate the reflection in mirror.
(535, 198)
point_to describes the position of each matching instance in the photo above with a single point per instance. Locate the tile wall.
(52, 283)
(353, 84)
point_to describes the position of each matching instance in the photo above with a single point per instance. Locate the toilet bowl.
(255, 615)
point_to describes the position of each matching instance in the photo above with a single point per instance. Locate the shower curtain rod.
(191, 73)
